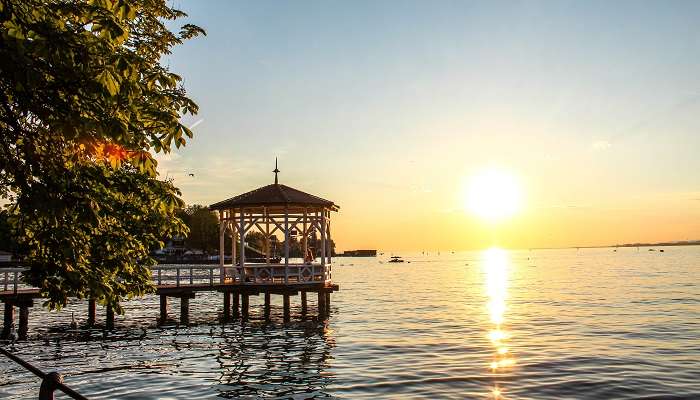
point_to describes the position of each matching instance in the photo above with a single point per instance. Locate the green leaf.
(108, 81)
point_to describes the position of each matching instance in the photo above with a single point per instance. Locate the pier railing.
(250, 274)
(49, 382)
(199, 275)
(11, 278)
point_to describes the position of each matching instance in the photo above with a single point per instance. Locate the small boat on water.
(396, 259)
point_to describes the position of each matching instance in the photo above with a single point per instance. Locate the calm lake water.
(541, 324)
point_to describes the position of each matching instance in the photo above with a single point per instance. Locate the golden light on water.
(493, 195)
(496, 392)
(496, 265)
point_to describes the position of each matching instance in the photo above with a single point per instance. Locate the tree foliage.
(203, 228)
(84, 101)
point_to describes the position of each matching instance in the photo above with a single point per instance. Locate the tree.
(203, 228)
(84, 101)
(7, 239)
(256, 240)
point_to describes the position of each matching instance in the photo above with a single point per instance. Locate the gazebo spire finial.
(276, 171)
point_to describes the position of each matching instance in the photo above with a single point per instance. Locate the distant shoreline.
(659, 244)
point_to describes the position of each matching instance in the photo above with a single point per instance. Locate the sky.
(390, 108)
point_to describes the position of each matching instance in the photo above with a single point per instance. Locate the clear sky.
(388, 108)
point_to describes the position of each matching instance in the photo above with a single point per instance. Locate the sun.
(493, 195)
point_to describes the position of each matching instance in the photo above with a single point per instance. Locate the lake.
(540, 324)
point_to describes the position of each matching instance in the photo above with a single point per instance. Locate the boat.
(396, 259)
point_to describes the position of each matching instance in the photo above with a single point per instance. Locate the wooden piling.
(304, 308)
(286, 307)
(23, 322)
(227, 307)
(321, 304)
(49, 385)
(110, 318)
(8, 319)
(236, 305)
(163, 309)
(92, 311)
(185, 310)
(267, 306)
(328, 303)
(244, 306)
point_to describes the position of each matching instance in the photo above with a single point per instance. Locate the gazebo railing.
(297, 273)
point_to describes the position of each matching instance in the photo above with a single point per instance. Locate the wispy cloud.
(601, 145)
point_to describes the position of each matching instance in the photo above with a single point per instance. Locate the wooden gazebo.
(271, 210)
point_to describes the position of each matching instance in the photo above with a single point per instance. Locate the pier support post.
(328, 303)
(321, 304)
(163, 309)
(23, 321)
(49, 384)
(286, 307)
(244, 306)
(304, 308)
(185, 310)
(110, 318)
(267, 306)
(236, 312)
(92, 311)
(8, 319)
(227, 307)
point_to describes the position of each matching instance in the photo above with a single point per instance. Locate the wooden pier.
(181, 282)
(271, 210)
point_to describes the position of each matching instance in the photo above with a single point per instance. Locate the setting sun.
(493, 195)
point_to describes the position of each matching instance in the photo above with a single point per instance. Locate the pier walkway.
(236, 285)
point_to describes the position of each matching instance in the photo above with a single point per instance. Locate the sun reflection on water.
(496, 264)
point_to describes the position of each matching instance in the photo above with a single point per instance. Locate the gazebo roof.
(273, 195)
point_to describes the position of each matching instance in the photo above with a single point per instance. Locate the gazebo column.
(267, 236)
(241, 232)
(328, 240)
(323, 241)
(286, 245)
(305, 241)
(222, 230)
(234, 234)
